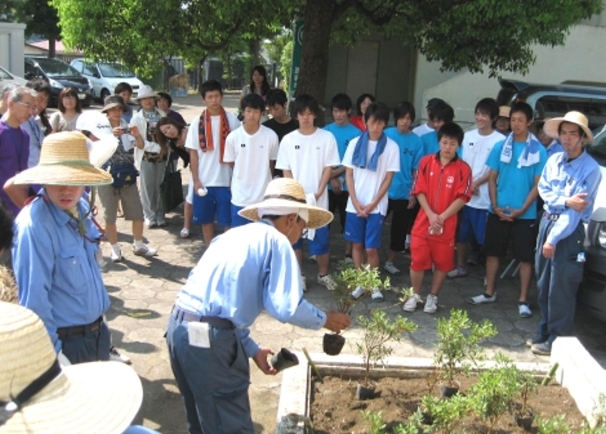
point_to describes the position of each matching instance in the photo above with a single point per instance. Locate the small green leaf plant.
(379, 329)
(349, 278)
(553, 425)
(445, 414)
(378, 425)
(458, 348)
(527, 385)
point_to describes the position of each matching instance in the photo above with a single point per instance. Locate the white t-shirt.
(306, 156)
(421, 130)
(211, 172)
(368, 182)
(475, 150)
(250, 155)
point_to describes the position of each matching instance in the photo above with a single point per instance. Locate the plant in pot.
(523, 415)
(378, 329)
(347, 280)
(458, 349)
(444, 414)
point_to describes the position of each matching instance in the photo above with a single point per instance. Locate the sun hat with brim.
(65, 160)
(504, 111)
(98, 125)
(113, 101)
(96, 397)
(146, 91)
(552, 125)
(288, 193)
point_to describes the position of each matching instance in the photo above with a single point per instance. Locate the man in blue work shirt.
(56, 243)
(568, 185)
(245, 270)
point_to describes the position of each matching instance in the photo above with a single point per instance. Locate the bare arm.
(323, 182)
(193, 162)
(17, 193)
(382, 191)
(287, 173)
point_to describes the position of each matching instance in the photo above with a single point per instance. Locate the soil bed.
(334, 407)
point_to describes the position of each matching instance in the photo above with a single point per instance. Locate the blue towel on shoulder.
(359, 156)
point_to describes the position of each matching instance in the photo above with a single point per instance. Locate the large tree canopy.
(40, 19)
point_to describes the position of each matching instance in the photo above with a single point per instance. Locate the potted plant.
(523, 415)
(458, 348)
(378, 331)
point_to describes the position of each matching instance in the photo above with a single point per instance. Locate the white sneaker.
(457, 272)
(327, 281)
(376, 295)
(348, 260)
(115, 356)
(524, 310)
(144, 250)
(391, 268)
(313, 259)
(116, 254)
(479, 299)
(431, 305)
(357, 293)
(411, 303)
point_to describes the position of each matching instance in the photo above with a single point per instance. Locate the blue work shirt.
(243, 271)
(343, 135)
(55, 267)
(562, 179)
(554, 147)
(411, 152)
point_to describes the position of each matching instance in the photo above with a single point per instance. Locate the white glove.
(63, 360)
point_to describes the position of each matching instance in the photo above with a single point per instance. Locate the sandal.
(184, 233)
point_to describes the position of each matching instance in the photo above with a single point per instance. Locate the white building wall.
(11, 47)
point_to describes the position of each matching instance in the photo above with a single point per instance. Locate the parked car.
(59, 75)
(593, 289)
(104, 76)
(8, 78)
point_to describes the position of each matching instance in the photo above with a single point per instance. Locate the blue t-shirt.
(411, 152)
(430, 143)
(513, 184)
(343, 135)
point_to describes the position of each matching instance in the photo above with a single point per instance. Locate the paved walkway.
(142, 293)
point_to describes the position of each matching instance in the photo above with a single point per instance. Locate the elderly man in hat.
(56, 245)
(245, 270)
(568, 185)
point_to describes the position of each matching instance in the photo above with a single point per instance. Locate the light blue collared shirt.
(246, 270)
(554, 147)
(36, 136)
(561, 179)
(55, 267)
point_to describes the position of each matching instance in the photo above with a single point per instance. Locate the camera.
(126, 130)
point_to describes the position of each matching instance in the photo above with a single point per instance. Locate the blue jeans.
(558, 281)
(213, 381)
(92, 347)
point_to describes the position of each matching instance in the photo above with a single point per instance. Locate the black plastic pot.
(332, 344)
(448, 391)
(524, 421)
(363, 393)
(284, 359)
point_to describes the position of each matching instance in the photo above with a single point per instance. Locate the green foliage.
(446, 414)
(39, 16)
(527, 384)
(553, 425)
(378, 330)
(377, 425)
(375, 420)
(286, 64)
(459, 341)
(349, 278)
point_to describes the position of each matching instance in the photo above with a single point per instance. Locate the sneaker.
(524, 310)
(327, 281)
(482, 298)
(376, 295)
(541, 349)
(407, 246)
(144, 250)
(537, 339)
(457, 272)
(391, 268)
(116, 255)
(472, 261)
(357, 293)
(303, 283)
(431, 305)
(115, 356)
(312, 259)
(161, 223)
(184, 233)
(150, 224)
(348, 260)
(411, 303)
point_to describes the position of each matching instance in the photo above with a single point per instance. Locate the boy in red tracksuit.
(442, 187)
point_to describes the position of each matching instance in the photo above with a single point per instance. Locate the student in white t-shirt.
(205, 141)
(427, 127)
(371, 161)
(475, 149)
(252, 150)
(308, 155)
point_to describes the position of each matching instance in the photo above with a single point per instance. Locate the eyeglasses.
(27, 105)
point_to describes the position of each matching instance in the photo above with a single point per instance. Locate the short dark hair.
(450, 129)
(361, 99)
(442, 111)
(403, 109)
(39, 85)
(68, 91)
(254, 101)
(488, 106)
(166, 96)
(276, 96)
(581, 131)
(377, 110)
(522, 107)
(210, 86)
(6, 227)
(341, 101)
(306, 101)
(123, 86)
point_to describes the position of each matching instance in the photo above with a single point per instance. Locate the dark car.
(59, 75)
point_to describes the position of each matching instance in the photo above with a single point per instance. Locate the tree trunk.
(256, 57)
(51, 48)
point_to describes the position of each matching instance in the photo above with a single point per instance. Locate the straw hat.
(113, 101)
(504, 111)
(96, 397)
(552, 125)
(65, 160)
(146, 91)
(288, 193)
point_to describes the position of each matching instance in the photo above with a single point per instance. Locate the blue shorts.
(237, 219)
(472, 224)
(217, 201)
(319, 245)
(365, 230)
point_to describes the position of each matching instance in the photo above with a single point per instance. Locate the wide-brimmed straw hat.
(96, 397)
(552, 125)
(65, 160)
(288, 193)
(113, 101)
(504, 111)
(146, 91)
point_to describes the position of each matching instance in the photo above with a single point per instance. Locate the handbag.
(171, 189)
(123, 174)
